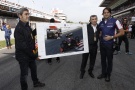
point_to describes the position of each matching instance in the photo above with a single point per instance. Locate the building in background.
(8, 14)
(59, 14)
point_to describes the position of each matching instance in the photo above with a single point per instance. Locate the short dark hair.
(93, 16)
(123, 19)
(21, 10)
(108, 9)
(52, 20)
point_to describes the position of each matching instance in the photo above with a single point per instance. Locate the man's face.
(106, 14)
(25, 16)
(93, 20)
(125, 20)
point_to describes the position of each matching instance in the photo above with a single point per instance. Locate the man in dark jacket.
(24, 46)
(93, 35)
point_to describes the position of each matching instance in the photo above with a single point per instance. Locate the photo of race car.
(54, 33)
(69, 43)
(59, 40)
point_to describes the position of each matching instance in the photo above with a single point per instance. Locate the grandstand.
(121, 8)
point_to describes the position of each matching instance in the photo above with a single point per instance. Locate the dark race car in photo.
(69, 43)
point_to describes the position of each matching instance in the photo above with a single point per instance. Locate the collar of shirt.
(94, 28)
(106, 19)
(25, 24)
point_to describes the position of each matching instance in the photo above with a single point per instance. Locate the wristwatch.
(112, 37)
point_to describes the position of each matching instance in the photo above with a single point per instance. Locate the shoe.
(39, 84)
(107, 79)
(128, 53)
(119, 52)
(81, 75)
(58, 38)
(58, 60)
(101, 76)
(92, 75)
(115, 52)
(7, 47)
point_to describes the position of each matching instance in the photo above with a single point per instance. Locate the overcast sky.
(76, 10)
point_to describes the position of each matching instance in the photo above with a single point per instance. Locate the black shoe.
(92, 75)
(81, 75)
(58, 60)
(107, 79)
(101, 76)
(39, 84)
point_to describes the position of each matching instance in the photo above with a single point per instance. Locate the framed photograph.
(58, 39)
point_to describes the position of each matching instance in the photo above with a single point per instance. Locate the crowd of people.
(108, 32)
(124, 6)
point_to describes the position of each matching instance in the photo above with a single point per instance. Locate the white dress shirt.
(94, 28)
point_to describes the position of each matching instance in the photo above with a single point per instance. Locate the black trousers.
(125, 39)
(24, 73)
(106, 58)
(93, 54)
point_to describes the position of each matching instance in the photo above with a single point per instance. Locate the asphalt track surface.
(65, 75)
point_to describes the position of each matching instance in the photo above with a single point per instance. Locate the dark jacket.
(24, 42)
(90, 31)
